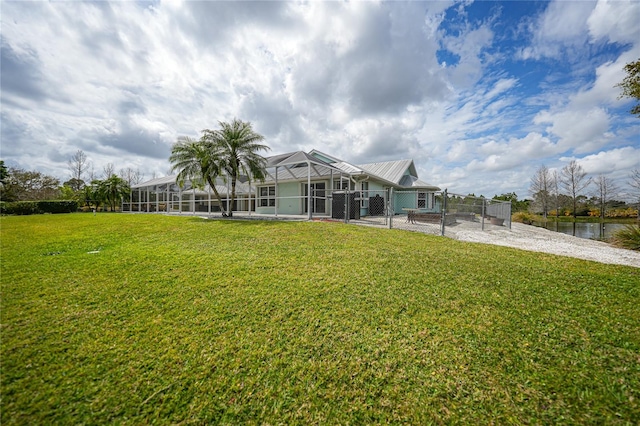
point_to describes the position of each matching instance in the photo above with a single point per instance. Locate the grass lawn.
(132, 319)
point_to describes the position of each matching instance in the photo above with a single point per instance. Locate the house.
(301, 183)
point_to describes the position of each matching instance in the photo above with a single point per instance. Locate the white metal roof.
(157, 181)
(392, 171)
(294, 165)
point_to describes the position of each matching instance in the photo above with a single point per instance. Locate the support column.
(444, 212)
(276, 202)
(309, 215)
(229, 208)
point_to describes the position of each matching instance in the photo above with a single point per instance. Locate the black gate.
(340, 206)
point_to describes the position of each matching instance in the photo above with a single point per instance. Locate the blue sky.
(479, 94)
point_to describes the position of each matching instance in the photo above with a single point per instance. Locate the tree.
(108, 170)
(27, 185)
(91, 194)
(541, 189)
(573, 179)
(605, 190)
(113, 189)
(78, 165)
(237, 148)
(634, 181)
(555, 191)
(131, 176)
(196, 161)
(516, 205)
(4, 173)
(631, 85)
(75, 184)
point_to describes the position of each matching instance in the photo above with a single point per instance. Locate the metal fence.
(432, 213)
(415, 210)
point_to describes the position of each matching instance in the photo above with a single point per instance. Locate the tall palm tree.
(236, 147)
(197, 161)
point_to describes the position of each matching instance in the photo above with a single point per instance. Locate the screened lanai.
(296, 183)
(164, 195)
(299, 183)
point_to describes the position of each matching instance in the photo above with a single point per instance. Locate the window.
(364, 197)
(341, 185)
(425, 200)
(422, 200)
(267, 196)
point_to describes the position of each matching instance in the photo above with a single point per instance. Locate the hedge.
(38, 207)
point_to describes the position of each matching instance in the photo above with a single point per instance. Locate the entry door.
(319, 201)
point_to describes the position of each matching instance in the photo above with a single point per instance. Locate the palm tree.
(235, 150)
(196, 161)
(112, 189)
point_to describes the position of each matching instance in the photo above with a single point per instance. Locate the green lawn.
(184, 320)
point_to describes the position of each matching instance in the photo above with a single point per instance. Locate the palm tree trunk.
(215, 191)
(233, 196)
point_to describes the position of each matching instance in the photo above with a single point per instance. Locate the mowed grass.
(192, 321)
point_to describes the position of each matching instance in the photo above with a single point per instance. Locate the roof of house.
(392, 171)
(220, 183)
(293, 166)
(157, 181)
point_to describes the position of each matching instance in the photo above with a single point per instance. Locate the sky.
(479, 94)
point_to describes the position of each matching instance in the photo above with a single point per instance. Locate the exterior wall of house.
(288, 201)
(375, 188)
(289, 194)
(408, 199)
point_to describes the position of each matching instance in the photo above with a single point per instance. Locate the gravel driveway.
(532, 238)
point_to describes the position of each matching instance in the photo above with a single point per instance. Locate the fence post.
(483, 211)
(444, 211)
(390, 207)
(346, 205)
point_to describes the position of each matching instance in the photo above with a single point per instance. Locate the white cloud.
(559, 31)
(615, 21)
(625, 158)
(578, 130)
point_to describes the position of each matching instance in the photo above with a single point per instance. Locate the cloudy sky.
(479, 94)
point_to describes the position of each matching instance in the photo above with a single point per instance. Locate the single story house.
(300, 183)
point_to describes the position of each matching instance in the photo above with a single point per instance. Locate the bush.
(59, 206)
(22, 207)
(39, 207)
(628, 237)
(525, 217)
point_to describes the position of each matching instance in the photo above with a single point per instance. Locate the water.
(584, 230)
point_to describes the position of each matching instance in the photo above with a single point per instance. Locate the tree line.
(568, 191)
(83, 185)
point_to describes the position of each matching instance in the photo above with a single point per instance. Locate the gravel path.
(533, 238)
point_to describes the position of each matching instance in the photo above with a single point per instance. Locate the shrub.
(58, 206)
(22, 208)
(39, 207)
(628, 237)
(525, 217)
